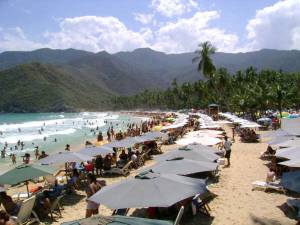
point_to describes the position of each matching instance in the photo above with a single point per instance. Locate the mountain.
(41, 88)
(66, 80)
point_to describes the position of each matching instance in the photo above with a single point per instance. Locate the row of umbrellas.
(161, 185)
(289, 148)
(242, 122)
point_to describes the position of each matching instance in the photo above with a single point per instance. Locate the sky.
(171, 26)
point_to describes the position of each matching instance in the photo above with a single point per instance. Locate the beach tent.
(24, 173)
(183, 166)
(291, 181)
(65, 157)
(291, 163)
(289, 153)
(93, 151)
(189, 152)
(117, 220)
(149, 190)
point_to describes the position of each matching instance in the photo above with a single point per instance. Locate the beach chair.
(55, 207)
(294, 204)
(264, 186)
(179, 216)
(26, 214)
(125, 171)
(120, 212)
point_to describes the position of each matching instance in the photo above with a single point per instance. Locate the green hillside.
(38, 88)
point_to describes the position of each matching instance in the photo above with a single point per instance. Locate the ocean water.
(42, 129)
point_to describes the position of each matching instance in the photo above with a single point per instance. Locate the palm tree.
(205, 63)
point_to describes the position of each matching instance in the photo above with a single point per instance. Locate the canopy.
(289, 153)
(183, 166)
(291, 181)
(117, 220)
(24, 173)
(149, 190)
(193, 152)
(65, 157)
(93, 151)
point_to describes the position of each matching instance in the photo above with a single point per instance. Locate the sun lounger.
(295, 205)
(55, 207)
(120, 212)
(125, 171)
(26, 214)
(179, 216)
(262, 185)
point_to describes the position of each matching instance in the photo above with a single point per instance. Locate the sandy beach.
(235, 204)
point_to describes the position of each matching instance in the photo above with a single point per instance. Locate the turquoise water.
(41, 129)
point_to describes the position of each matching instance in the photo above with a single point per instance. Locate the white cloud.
(143, 18)
(171, 8)
(13, 39)
(185, 34)
(276, 26)
(94, 33)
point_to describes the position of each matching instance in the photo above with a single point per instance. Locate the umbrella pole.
(26, 182)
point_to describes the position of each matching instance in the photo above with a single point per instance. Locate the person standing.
(92, 187)
(227, 147)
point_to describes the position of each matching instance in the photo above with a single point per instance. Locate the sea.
(52, 131)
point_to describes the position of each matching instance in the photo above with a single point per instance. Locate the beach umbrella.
(24, 173)
(277, 133)
(157, 128)
(93, 151)
(192, 152)
(156, 134)
(183, 166)
(149, 190)
(291, 163)
(291, 181)
(118, 220)
(289, 153)
(290, 143)
(209, 141)
(65, 157)
(280, 139)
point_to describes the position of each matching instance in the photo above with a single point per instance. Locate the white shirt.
(227, 145)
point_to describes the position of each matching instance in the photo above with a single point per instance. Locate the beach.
(235, 204)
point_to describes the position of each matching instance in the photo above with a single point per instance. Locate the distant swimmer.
(19, 143)
(40, 132)
(16, 147)
(42, 129)
(19, 129)
(14, 159)
(44, 124)
(3, 153)
(44, 138)
(1, 133)
(68, 148)
(37, 152)
(55, 140)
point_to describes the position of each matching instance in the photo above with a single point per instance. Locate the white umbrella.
(209, 141)
(93, 151)
(291, 163)
(65, 157)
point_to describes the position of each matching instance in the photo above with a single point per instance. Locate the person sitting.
(123, 156)
(89, 167)
(100, 137)
(73, 183)
(5, 219)
(99, 164)
(271, 176)
(107, 162)
(26, 158)
(43, 155)
(93, 186)
(9, 205)
(88, 143)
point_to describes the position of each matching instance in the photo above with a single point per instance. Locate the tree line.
(247, 91)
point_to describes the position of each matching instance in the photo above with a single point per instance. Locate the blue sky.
(164, 25)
